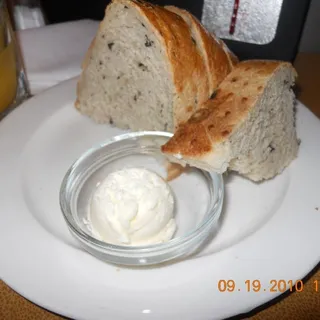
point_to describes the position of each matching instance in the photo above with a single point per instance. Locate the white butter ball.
(133, 206)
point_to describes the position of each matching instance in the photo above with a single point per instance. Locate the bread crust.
(220, 116)
(218, 58)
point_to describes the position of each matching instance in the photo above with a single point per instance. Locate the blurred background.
(272, 29)
(304, 16)
(310, 40)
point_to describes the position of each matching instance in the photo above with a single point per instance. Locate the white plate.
(268, 231)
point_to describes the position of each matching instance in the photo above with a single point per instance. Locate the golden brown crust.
(190, 139)
(218, 58)
(233, 59)
(219, 116)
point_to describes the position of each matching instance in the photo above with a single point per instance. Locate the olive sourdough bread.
(248, 127)
(148, 69)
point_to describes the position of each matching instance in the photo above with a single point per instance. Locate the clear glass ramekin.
(198, 199)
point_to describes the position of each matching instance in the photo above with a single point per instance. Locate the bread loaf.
(247, 127)
(148, 69)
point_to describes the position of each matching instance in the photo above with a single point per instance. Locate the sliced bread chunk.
(144, 70)
(219, 60)
(248, 127)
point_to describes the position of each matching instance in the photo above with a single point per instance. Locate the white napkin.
(54, 53)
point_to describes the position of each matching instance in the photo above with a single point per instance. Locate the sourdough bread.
(247, 127)
(146, 71)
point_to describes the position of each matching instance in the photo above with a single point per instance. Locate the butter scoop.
(133, 206)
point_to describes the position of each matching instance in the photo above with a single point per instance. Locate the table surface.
(294, 306)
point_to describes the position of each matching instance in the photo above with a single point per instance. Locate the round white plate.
(269, 231)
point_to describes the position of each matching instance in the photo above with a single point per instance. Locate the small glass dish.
(198, 199)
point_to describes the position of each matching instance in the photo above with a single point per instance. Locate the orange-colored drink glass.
(13, 84)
